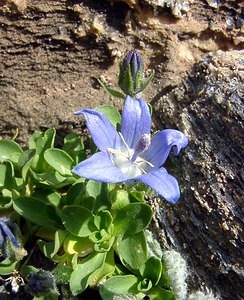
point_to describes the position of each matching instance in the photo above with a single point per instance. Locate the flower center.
(129, 160)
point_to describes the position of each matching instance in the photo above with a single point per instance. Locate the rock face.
(207, 224)
(52, 52)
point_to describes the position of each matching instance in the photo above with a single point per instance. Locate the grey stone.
(207, 223)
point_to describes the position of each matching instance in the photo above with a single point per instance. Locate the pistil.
(141, 146)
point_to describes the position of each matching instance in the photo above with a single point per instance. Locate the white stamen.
(123, 140)
(123, 161)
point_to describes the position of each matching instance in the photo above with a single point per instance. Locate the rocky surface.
(207, 224)
(51, 53)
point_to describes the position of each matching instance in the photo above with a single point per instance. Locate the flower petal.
(161, 145)
(136, 120)
(99, 167)
(163, 183)
(103, 133)
(6, 231)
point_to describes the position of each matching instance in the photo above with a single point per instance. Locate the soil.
(52, 52)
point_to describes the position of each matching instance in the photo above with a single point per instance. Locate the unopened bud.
(131, 75)
(41, 283)
(8, 240)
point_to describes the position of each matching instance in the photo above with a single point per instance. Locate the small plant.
(88, 214)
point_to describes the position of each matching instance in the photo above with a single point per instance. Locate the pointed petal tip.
(129, 98)
(161, 145)
(181, 143)
(173, 200)
(103, 133)
(78, 112)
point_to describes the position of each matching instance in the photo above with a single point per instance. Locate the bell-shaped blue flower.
(130, 154)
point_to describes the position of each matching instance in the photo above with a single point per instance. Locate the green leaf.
(138, 81)
(72, 141)
(49, 137)
(118, 285)
(132, 251)
(73, 145)
(62, 274)
(25, 161)
(36, 211)
(80, 278)
(105, 270)
(26, 156)
(103, 219)
(126, 80)
(102, 243)
(59, 160)
(120, 199)
(152, 269)
(93, 188)
(159, 293)
(111, 113)
(164, 280)
(78, 220)
(51, 248)
(27, 269)
(5, 202)
(81, 246)
(98, 191)
(45, 232)
(33, 140)
(9, 150)
(132, 218)
(75, 193)
(137, 196)
(148, 81)
(7, 193)
(41, 142)
(144, 285)
(110, 91)
(8, 266)
(7, 178)
(3, 171)
(53, 179)
(48, 196)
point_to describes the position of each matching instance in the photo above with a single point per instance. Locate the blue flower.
(7, 237)
(130, 154)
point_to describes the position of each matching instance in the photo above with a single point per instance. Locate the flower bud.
(41, 283)
(8, 241)
(131, 75)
